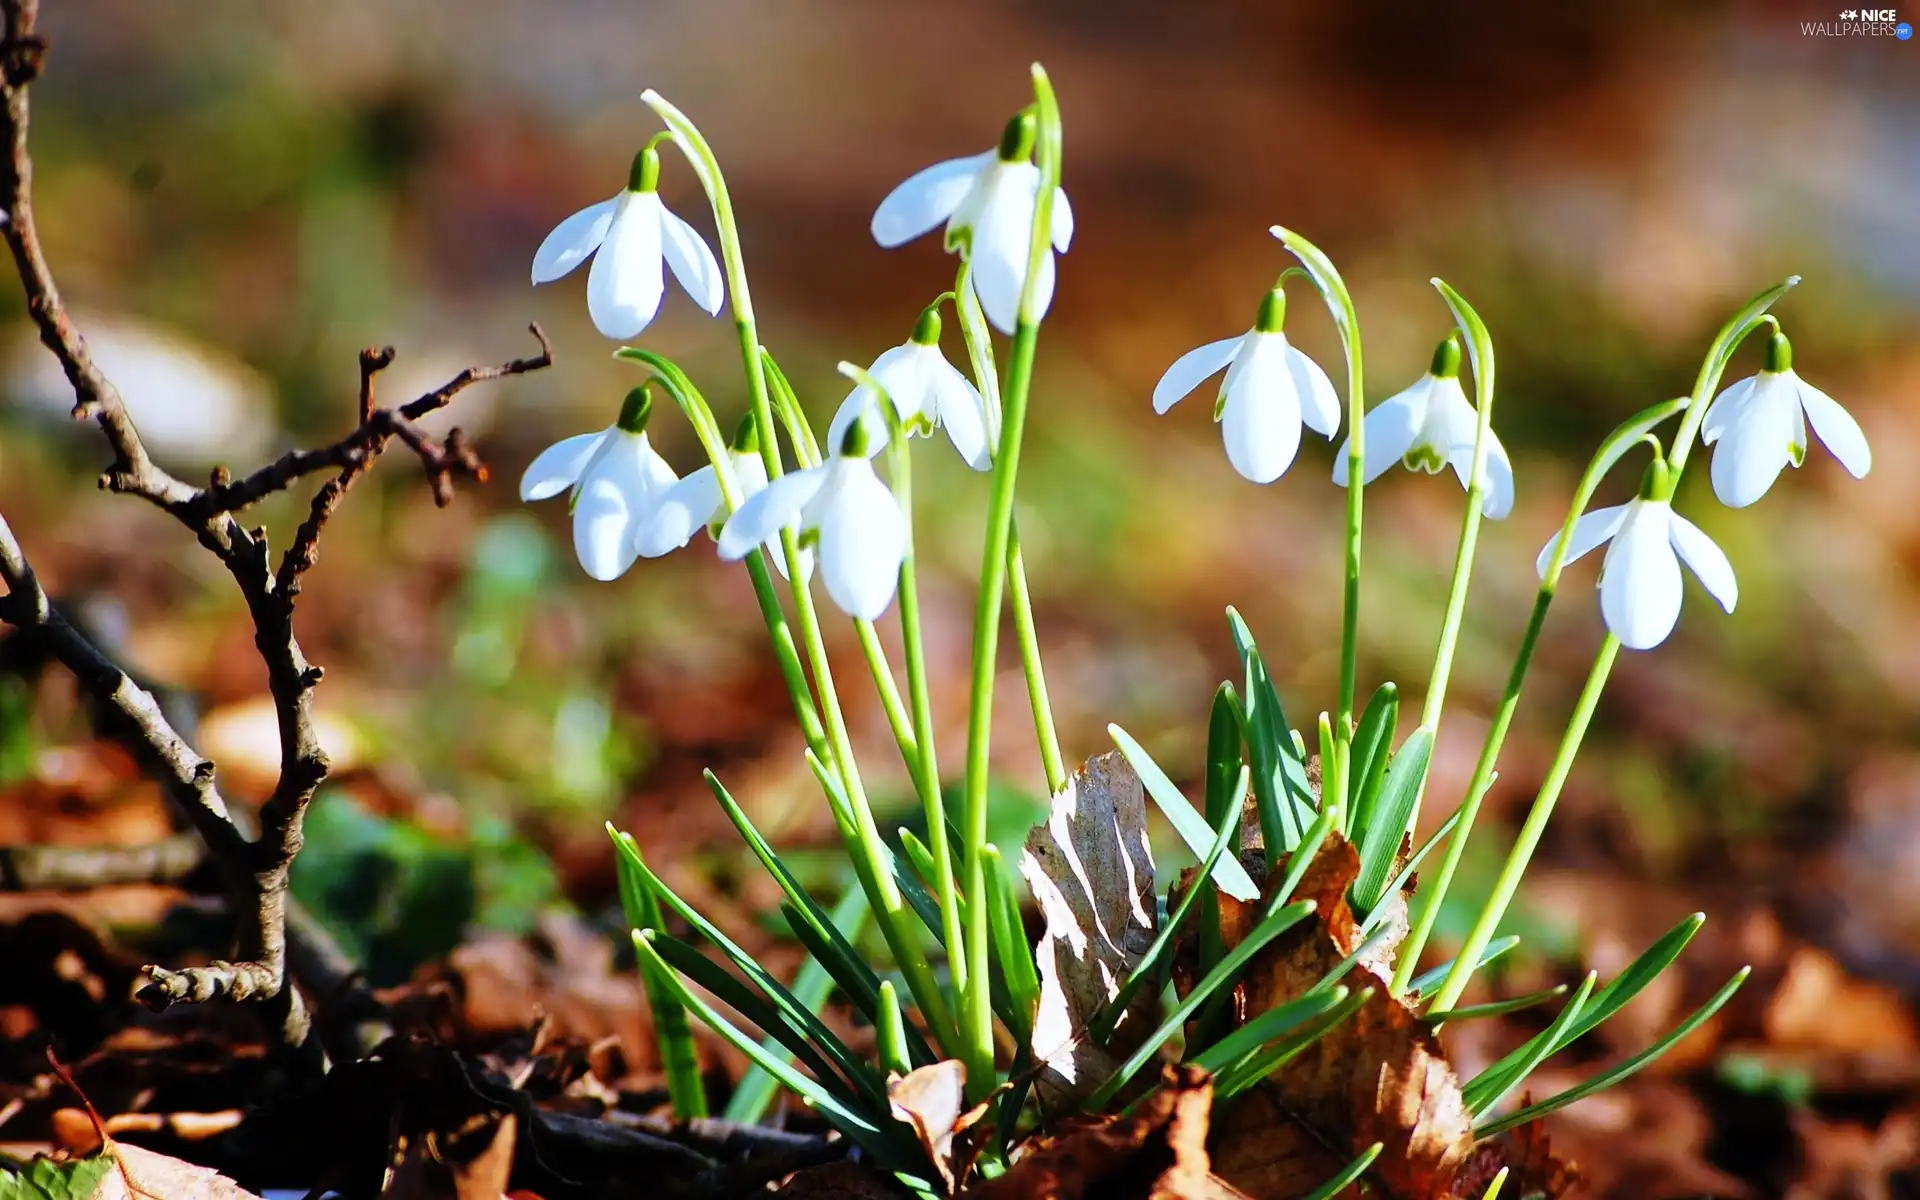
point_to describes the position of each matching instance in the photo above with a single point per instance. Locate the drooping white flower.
(1270, 389)
(615, 480)
(633, 233)
(862, 532)
(1761, 424)
(696, 502)
(1640, 577)
(1429, 426)
(926, 391)
(987, 201)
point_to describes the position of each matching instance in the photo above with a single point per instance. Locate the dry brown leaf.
(484, 1175)
(1092, 876)
(142, 1174)
(1818, 1005)
(931, 1099)
(1380, 1076)
(1159, 1153)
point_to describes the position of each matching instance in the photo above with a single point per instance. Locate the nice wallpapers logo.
(1860, 22)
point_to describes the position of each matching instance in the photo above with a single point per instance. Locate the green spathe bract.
(958, 978)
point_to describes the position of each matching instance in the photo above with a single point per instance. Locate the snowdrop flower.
(1640, 578)
(1761, 425)
(1429, 426)
(615, 479)
(987, 201)
(1269, 390)
(862, 532)
(696, 502)
(632, 233)
(926, 390)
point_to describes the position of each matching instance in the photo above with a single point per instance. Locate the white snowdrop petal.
(901, 372)
(1757, 444)
(863, 539)
(681, 511)
(926, 199)
(572, 240)
(1390, 432)
(692, 261)
(611, 502)
(1319, 403)
(1704, 557)
(558, 467)
(1191, 369)
(1838, 431)
(1062, 220)
(1726, 409)
(1261, 424)
(1000, 245)
(963, 414)
(1499, 476)
(627, 278)
(1593, 528)
(861, 403)
(1640, 583)
(764, 513)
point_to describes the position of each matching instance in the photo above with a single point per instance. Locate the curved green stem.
(1333, 290)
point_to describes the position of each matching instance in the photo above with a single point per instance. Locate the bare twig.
(257, 869)
(82, 868)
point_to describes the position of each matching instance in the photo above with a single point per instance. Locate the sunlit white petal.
(559, 466)
(1838, 431)
(627, 279)
(1191, 369)
(863, 539)
(764, 513)
(1758, 442)
(1707, 561)
(1390, 432)
(1062, 229)
(612, 499)
(926, 199)
(1726, 409)
(1591, 529)
(1319, 403)
(1499, 475)
(1640, 582)
(962, 413)
(572, 240)
(692, 262)
(1261, 420)
(682, 510)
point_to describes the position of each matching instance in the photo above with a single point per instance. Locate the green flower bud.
(746, 437)
(1273, 312)
(1446, 359)
(926, 331)
(1654, 483)
(644, 175)
(1016, 142)
(1779, 354)
(636, 408)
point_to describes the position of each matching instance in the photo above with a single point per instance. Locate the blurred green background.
(237, 196)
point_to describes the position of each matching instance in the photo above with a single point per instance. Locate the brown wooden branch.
(257, 869)
(82, 868)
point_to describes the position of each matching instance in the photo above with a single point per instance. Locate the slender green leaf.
(1428, 980)
(1493, 1189)
(1281, 792)
(849, 966)
(1148, 968)
(859, 1128)
(1406, 871)
(1228, 875)
(807, 1028)
(1222, 976)
(681, 1060)
(1225, 744)
(1606, 1002)
(1273, 1023)
(1561, 1024)
(1372, 741)
(1384, 835)
(755, 1093)
(1012, 952)
(1498, 1008)
(1607, 1079)
(1270, 1058)
(1352, 1171)
(890, 1034)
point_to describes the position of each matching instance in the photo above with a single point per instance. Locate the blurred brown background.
(237, 196)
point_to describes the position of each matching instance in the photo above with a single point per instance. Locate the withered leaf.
(1380, 1076)
(1092, 875)
(932, 1099)
(1159, 1153)
(143, 1174)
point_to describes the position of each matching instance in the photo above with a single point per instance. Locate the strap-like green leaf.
(1280, 788)
(1561, 1024)
(1372, 743)
(1607, 1079)
(1428, 980)
(1388, 829)
(1228, 875)
(1012, 952)
(1275, 1022)
(678, 1055)
(1222, 976)
(1271, 1057)
(1352, 1171)
(1498, 1008)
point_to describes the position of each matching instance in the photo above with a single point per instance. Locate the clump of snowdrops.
(1034, 1033)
